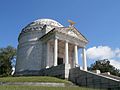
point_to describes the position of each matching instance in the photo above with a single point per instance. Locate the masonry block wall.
(60, 71)
(92, 80)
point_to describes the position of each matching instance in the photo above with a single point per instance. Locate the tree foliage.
(6, 55)
(104, 66)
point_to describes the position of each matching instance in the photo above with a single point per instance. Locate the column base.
(67, 68)
(47, 66)
(77, 65)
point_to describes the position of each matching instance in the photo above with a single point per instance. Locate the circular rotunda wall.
(29, 51)
(35, 27)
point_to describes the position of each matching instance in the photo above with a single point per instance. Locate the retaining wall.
(93, 80)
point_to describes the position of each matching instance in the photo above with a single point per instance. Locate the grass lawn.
(33, 79)
(41, 88)
(37, 79)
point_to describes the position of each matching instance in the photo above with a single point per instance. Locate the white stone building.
(45, 43)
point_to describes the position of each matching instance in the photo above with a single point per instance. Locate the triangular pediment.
(75, 33)
(72, 33)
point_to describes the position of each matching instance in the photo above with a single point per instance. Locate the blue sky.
(97, 20)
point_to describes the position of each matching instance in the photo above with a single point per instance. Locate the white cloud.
(105, 52)
(115, 63)
(100, 52)
(117, 52)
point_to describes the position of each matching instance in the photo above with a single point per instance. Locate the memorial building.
(45, 43)
(47, 48)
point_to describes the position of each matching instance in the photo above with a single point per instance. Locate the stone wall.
(93, 80)
(60, 71)
(29, 51)
(29, 57)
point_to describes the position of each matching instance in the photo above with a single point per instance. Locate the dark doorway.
(60, 60)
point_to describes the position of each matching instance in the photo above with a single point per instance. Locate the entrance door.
(60, 60)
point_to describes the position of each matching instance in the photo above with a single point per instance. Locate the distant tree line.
(7, 54)
(104, 66)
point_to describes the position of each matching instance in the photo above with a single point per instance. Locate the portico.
(64, 51)
(62, 45)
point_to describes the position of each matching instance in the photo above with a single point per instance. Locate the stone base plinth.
(60, 71)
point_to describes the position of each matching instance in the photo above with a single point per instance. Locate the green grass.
(33, 79)
(41, 88)
(37, 79)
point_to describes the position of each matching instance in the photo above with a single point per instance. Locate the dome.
(49, 22)
(38, 24)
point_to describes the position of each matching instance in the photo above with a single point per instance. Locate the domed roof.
(48, 22)
(40, 23)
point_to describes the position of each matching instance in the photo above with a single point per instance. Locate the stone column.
(66, 53)
(76, 55)
(84, 59)
(55, 51)
(48, 52)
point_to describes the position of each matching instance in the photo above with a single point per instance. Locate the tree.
(6, 55)
(104, 66)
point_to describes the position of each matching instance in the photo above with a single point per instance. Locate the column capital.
(66, 41)
(84, 47)
(55, 37)
(75, 44)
